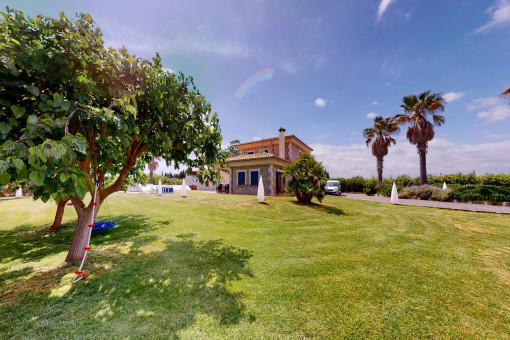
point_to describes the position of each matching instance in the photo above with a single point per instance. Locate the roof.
(271, 139)
(248, 157)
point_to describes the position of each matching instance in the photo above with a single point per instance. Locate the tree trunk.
(150, 176)
(81, 234)
(304, 197)
(422, 151)
(58, 215)
(380, 160)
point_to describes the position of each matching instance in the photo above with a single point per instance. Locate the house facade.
(264, 158)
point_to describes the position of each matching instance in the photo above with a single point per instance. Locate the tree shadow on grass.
(25, 248)
(161, 293)
(321, 207)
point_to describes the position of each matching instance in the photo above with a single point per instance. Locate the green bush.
(353, 184)
(370, 187)
(425, 192)
(489, 193)
(385, 189)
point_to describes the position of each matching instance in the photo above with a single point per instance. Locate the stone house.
(265, 158)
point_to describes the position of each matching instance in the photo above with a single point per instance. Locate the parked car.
(333, 188)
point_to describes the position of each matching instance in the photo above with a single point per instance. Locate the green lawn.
(223, 266)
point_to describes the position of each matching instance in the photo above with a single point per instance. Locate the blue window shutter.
(241, 178)
(254, 180)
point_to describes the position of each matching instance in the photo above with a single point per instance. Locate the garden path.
(434, 204)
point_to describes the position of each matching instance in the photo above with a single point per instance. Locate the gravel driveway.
(434, 204)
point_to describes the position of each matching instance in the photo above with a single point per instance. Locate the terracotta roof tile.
(247, 157)
(271, 139)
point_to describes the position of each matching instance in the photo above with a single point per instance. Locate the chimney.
(281, 149)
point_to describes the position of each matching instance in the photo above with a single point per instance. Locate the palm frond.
(438, 120)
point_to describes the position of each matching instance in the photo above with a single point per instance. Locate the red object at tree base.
(91, 225)
(94, 203)
(84, 276)
(87, 248)
(77, 272)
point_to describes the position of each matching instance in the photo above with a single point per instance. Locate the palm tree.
(421, 131)
(505, 93)
(379, 136)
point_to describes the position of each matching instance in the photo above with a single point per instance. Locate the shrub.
(489, 193)
(425, 192)
(353, 184)
(370, 187)
(385, 189)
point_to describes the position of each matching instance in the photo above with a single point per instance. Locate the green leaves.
(18, 164)
(57, 99)
(15, 41)
(5, 179)
(18, 111)
(37, 177)
(33, 90)
(64, 177)
(32, 120)
(5, 128)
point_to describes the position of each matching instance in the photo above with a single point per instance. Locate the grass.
(223, 266)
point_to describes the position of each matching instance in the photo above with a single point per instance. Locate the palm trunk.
(57, 222)
(422, 151)
(81, 234)
(380, 160)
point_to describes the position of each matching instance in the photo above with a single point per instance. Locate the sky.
(324, 69)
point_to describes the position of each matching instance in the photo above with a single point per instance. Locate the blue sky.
(336, 64)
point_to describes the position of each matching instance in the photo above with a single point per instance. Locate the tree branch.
(66, 127)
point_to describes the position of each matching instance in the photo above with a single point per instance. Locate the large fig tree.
(72, 111)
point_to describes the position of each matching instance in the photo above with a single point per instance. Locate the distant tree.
(73, 112)
(153, 165)
(421, 131)
(379, 137)
(307, 178)
(232, 149)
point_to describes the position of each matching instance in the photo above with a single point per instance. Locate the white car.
(333, 188)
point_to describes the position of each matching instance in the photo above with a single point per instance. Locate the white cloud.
(319, 102)
(485, 102)
(371, 115)
(500, 16)
(375, 103)
(382, 8)
(256, 138)
(495, 109)
(443, 157)
(495, 114)
(451, 96)
(117, 35)
(289, 67)
(495, 135)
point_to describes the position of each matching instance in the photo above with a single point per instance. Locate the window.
(254, 177)
(241, 178)
(250, 153)
(265, 151)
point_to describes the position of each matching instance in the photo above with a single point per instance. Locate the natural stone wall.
(252, 189)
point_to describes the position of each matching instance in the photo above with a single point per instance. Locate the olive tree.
(73, 112)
